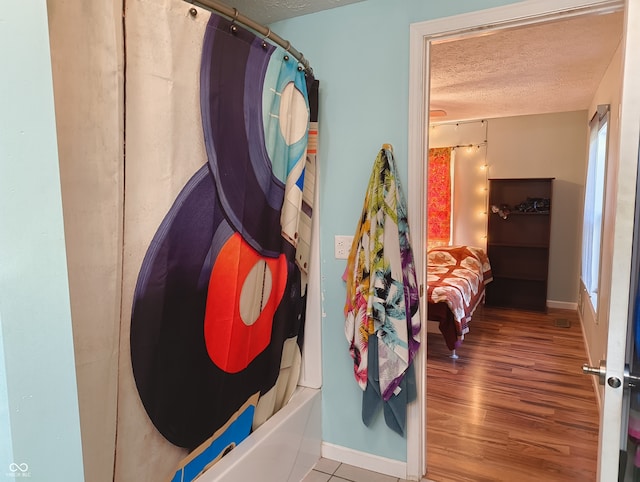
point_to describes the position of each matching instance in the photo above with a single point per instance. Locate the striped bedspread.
(456, 277)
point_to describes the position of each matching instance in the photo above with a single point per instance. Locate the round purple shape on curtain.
(232, 83)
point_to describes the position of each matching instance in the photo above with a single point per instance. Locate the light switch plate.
(342, 246)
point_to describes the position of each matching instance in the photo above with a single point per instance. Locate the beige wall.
(596, 325)
(548, 145)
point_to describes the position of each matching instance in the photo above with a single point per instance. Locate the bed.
(456, 280)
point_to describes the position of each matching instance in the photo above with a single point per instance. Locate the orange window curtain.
(439, 196)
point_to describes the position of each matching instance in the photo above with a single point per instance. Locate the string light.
(475, 162)
(484, 168)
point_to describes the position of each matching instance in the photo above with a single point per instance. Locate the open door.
(622, 222)
(616, 450)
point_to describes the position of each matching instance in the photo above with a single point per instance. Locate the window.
(594, 203)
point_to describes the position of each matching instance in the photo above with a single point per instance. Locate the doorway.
(423, 36)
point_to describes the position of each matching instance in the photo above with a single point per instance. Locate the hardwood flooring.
(515, 406)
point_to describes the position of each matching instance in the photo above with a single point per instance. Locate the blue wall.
(39, 422)
(360, 54)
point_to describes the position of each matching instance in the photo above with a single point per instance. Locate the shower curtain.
(140, 100)
(220, 296)
(87, 61)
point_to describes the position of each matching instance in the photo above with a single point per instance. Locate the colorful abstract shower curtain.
(382, 322)
(439, 197)
(220, 298)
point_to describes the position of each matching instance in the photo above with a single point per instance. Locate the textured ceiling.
(552, 67)
(269, 11)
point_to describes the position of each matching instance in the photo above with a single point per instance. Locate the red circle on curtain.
(233, 342)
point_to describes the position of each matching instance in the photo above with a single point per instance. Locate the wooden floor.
(515, 406)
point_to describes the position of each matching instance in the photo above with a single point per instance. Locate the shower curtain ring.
(264, 42)
(233, 27)
(286, 48)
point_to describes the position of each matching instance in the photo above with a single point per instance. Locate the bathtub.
(283, 449)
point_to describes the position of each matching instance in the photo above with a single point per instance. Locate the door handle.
(630, 380)
(600, 371)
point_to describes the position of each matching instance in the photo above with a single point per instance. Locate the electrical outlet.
(342, 246)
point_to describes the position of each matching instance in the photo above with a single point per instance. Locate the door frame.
(422, 34)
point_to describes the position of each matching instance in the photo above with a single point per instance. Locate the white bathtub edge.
(285, 448)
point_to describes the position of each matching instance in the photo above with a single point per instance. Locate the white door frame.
(421, 35)
(614, 402)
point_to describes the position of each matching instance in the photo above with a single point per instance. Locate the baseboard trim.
(383, 465)
(562, 305)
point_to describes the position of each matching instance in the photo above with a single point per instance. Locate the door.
(624, 273)
(620, 223)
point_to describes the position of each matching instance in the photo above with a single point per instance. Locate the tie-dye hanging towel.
(382, 292)
(222, 287)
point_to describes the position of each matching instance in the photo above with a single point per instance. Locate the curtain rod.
(477, 144)
(233, 14)
(433, 125)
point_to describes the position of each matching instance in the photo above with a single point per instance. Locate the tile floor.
(327, 470)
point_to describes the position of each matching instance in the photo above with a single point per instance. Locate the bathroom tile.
(315, 476)
(357, 474)
(338, 479)
(327, 466)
